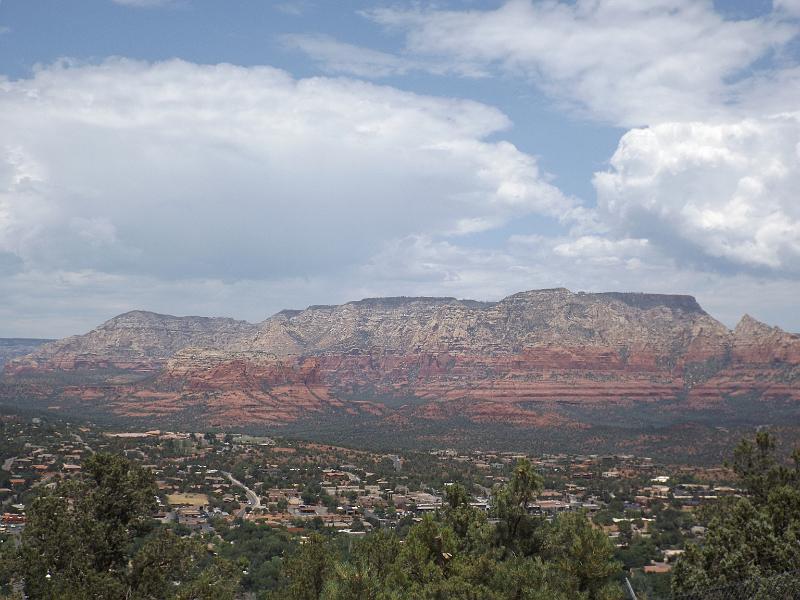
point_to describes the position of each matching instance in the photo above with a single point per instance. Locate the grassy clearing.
(190, 499)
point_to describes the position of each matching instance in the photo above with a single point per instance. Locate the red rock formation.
(519, 361)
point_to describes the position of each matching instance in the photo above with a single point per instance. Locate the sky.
(239, 157)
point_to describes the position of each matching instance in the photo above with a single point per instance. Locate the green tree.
(77, 535)
(457, 554)
(751, 537)
(95, 538)
(516, 529)
(351, 581)
(639, 553)
(529, 578)
(468, 523)
(307, 571)
(757, 467)
(583, 554)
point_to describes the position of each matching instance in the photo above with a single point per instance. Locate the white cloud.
(295, 8)
(790, 7)
(421, 265)
(334, 56)
(709, 177)
(710, 180)
(339, 57)
(596, 250)
(180, 172)
(229, 190)
(55, 303)
(768, 93)
(723, 194)
(623, 61)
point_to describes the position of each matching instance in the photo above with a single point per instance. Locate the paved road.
(253, 500)
(80, 440)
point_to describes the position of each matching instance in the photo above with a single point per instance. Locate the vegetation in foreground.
(752, 537)
(460, 554)
(94, 538)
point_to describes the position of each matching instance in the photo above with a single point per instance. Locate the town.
(213, 484)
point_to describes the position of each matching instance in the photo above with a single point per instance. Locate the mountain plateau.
(536, 360)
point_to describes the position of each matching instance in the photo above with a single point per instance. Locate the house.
(671, 555)
(548, 507)
(658, 568)
(11, 518)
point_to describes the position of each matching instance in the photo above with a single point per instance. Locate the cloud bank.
(177, 171)
(625, 62)
(219, 189)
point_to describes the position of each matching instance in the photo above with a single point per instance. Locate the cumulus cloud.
(707, 179)
(219, 189)
(623, 61)
(723, 194)
(422, 265)
(177, 171)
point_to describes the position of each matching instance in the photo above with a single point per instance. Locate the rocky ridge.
(540, 358)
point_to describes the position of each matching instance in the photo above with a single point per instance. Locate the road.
(80, 440)
(253, 500)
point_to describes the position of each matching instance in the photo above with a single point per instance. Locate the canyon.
(537, 360)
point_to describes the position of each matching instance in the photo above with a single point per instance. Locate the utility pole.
(629, 589)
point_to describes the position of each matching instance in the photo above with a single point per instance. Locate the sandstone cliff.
(137, 340)
(540, 358)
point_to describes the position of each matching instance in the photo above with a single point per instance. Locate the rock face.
(543, 358)
(136, 340)
(535, 318)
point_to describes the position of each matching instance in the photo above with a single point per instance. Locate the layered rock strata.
(532, 359)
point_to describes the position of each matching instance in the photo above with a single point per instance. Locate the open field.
(190, 499)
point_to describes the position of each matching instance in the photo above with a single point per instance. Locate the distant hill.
(554, 362)
(14, 347)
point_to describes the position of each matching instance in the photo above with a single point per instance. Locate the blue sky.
(250, 33)
(348, 149)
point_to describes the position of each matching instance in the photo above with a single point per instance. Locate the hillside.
(536, 360)
(16, 347)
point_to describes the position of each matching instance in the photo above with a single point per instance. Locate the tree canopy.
(459, 554)
(95, 538)
(755, 536)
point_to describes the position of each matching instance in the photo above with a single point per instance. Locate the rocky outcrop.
(761, 362)
(137, 341)
(536, 358)
(533, 318)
